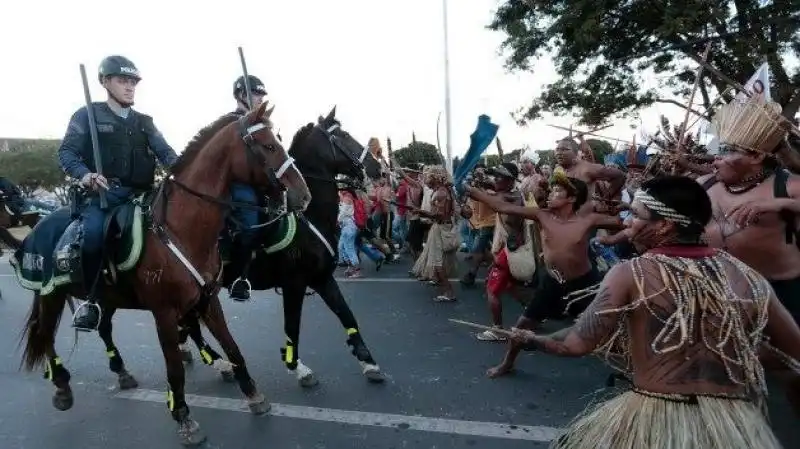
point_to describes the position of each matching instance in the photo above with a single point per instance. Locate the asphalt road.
(436, 395)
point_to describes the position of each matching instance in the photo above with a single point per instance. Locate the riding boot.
(87, 316)
(240, 288)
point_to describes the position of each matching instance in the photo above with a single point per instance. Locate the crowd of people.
(682, 269)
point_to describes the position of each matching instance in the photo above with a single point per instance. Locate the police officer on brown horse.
(129, 145)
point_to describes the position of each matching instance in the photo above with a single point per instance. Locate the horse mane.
(300, 135)
(199, 141)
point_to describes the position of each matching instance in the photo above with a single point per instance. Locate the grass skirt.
(636, 421)
(433, 256)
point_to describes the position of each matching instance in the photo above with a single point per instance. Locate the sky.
(380, 62)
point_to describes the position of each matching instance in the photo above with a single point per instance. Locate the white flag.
(757, 85)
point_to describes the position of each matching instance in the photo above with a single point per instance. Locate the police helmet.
(256, 86)
(117, 66)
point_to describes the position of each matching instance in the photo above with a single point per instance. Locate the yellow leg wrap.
(289, 357)
(170, 401)
(351, 331)
(206, 356)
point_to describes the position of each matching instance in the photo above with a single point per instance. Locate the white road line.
(419, 423)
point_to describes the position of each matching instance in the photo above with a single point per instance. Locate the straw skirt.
(637, 421)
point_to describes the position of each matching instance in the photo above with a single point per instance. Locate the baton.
(246, 80)
(98, 162)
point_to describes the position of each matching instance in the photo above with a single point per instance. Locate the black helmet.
(256, 86)
(117, 66)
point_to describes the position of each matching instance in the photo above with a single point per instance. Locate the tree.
(32, 164)
(418, 152)
(600, 149)
(603, 48)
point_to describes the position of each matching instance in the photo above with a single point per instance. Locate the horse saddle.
(123, 236)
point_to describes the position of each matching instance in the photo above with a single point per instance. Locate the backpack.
(778, 191)
(359, 213)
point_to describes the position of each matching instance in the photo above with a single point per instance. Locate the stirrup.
(249, 289)
(78, 309)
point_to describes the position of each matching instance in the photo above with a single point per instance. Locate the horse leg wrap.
(289, 356)
(208, 355)
(178, 409)
(358, 347)
(115, 363)
(55, 372)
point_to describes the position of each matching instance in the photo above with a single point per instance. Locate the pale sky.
(379, 61)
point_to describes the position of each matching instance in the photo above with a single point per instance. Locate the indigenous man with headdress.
(566, 155)
(438, 259)
(565, 244)
(755, 201)
(686, 323)
(534, 184)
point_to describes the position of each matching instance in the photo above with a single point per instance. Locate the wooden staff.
(697, 79)
(481, 327)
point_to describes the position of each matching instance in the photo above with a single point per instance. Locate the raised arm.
(498, 204)
(594, 326)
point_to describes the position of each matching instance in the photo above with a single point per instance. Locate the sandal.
(489, 335)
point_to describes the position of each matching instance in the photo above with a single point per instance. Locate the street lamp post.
(448, 118)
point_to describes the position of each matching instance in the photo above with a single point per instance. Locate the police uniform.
(246, 218)
(129, 145)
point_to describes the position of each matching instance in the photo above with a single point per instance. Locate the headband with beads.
(660, 208)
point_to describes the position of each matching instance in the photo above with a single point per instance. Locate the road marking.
(419, 423)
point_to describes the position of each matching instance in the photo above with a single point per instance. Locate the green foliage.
(32, 163)
(418, 152)
(600, 149)
(602, 49)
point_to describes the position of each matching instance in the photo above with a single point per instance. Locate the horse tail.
(9, 239)
(40, 328)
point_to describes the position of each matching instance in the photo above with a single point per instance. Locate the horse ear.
(268, 112)
(259, 112)
(331, 115)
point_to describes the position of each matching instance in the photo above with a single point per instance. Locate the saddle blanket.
(35, 263)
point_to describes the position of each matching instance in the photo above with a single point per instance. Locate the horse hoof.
(186, 356)
(190, 433)
(63, 400)
(373, 373)
(227, 376)
(127, 382)
(308, 381)
(258, 404)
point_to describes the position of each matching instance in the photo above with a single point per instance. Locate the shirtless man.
(565, 243)
(566, 155)
(753, 223)
(687, 392)
(534, 184)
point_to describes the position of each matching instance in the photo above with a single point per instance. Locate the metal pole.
(246, 80)
(448, 115)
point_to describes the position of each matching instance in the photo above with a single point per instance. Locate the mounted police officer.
(129, 146)
(245, 219)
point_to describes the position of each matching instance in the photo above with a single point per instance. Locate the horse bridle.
(251, 149)
(336, 146)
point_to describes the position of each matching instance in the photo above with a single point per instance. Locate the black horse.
(321, 152)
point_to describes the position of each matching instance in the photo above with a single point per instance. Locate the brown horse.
(177, 274)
